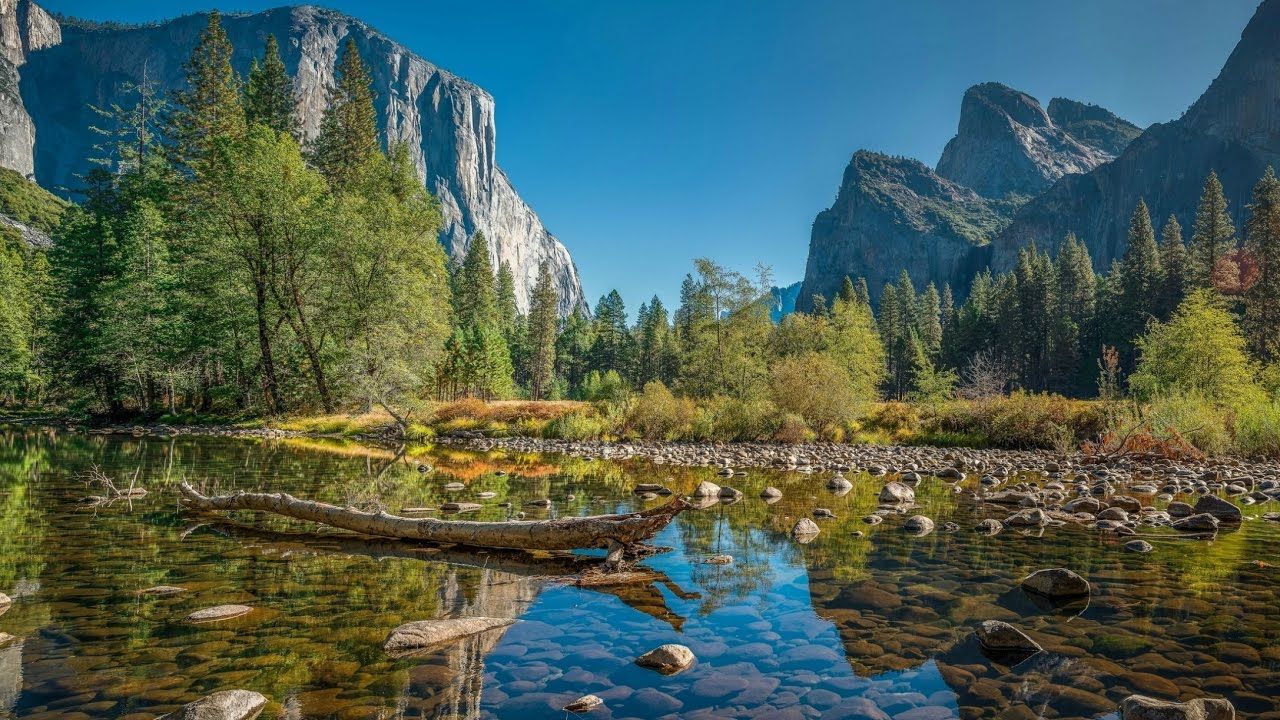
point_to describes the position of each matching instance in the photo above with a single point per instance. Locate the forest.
(216, 264)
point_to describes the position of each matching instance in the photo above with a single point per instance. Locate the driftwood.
(616, 532)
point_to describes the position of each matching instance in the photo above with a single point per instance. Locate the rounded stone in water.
(667, 659)
(218, 612)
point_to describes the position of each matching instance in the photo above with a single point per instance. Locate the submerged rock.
(162, 590)
(424, 634)
(1204, 522)
(1056, 583)
(719, 560)
(1005, 638)
(706, 489)
(804, 530)
(222, 705)
(667, 659)
(1140, 707)
(839, 483)
(771, 493)
(586, 703)
(1141, 546)
(990, 526)
(460, 507)
(918, 525)
(218, 612)
(1221, 509)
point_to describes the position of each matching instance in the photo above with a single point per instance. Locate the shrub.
(577, 426)
(1257, 428)
(1022, 420)
(657, 414)
(793, 430)
(813, 386)
(607, 387)
(728, 419)
(1192, 418)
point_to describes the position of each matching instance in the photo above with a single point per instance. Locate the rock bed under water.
(865, 620)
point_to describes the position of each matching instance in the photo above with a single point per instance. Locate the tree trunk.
(269, 384)
(566, 533)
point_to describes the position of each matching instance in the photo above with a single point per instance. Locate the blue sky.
(649, 133)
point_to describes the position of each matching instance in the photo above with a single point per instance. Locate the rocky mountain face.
(24, 27)
(1233, 129)
(447, 122)
(1006, 144)
(895, 213)
(783, 300)
(1092, 125)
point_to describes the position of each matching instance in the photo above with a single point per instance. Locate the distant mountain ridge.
(56, 71)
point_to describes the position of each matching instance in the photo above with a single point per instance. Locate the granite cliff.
(447, 122)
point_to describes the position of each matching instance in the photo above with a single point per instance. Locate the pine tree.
(268, 93)
(1075, 311)
(208, 111)
(947, 308)
(847, 291)
(1213, 234)
(542, 334)
(349, 129)
(1140, 277)
(611, 347)
(929, 321)
(1174, 265)
(1262, 298)
(474, 298)
(505, 295)
(862, 293)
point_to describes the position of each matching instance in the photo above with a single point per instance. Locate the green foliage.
(606, 387)
(268, 92)
(208, 111)
(657, 414)
(1257, 428)
(1262, 242)
(1213, 234)
(1199, 351)
(28, 203)
(817, 388)
(349, 128)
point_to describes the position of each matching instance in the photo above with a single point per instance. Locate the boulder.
(707, 489)
(990, 526)
(1085, 504)
(667, 659)
(918, 525)
(1224, 510)
(839, 483)
(1140, 546)
(1179, 509)
(425, 634)
(1114, 513)
(804, 530)
(218, 612)
(1140, 707)
(222, 705)
(1056, 583)
(1003, 637)
(896, 493)
(771, 493)
(461, 507)
(1204, 522)
(586, 703)
(1034, 517)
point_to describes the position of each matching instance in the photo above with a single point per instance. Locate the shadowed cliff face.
(1007, 144)
(893, 214)
(24, 27)
(1234, 129)
(447, 122)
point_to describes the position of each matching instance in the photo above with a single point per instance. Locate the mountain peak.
(1243, 102)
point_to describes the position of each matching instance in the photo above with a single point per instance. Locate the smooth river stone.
(218, 612)
(162, 590)
(222, 705)
(423, 634)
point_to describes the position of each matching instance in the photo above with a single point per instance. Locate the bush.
(1022, 420)
(657, 414)
(1257, 429)
(813, 386)
(1191, 418)
(793, 430)
(609, 387)
(577, 426)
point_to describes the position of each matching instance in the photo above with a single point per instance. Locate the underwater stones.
(804, 530)
(771, 494)
(454, 486)
(1140, 707)
(667, 659)
(460, 507)
(1002, 637)
(158, 590)
(586, 703)
(222, 705)
(1221, 509)
(1056, 583)
(990, 526)
(823, 513)
(873, 519)
(1179, 509)
(896, 493)
(707, 489)
(218, 612)
(422, 634)
(1034, 517)
(1139, 546)
(539, 502)
(718, 560)
(839, 483)
(918, 525)
(1203, 522)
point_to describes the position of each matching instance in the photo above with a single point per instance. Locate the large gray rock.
(1006, 143)
(1003, 637)
(706, 489)
(918, 525)
(446, 122)
(1056, 583)
(1140, 707)
(1202, 522)
(667, 659)
(1224, 510)
(426, 634)
(222, 705)
(896, 493)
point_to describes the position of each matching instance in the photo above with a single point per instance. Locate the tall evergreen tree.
(861, 291)
(208, 110)
(947, 306)
(475, 299)
(349, 127)
(929, 321)
(1140, 277)
(268, 92)
(611, 349)
(1174, 265)
(847, 291)
(542, 334)
(1262, 298)
(505, 295)
(1213, 234)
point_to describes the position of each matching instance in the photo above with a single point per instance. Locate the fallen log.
(567, 533)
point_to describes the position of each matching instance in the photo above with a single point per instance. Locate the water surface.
(871, 626)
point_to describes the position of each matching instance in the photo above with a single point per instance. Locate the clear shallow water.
(855, 627)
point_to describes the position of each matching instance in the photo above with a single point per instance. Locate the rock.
(1056, 583)
(454, 486)
(425, 634)
(1140, 707)
(1003, 637)
(5, 639)
(1114, 513)
(460, 507)
(873, 519)
(1034, 517)
(1083, 505)
(1204, 522)
(648, 487)
(771, 493)
(706, 489)
(718, 560)
(586, 703)
(667, 659)
(804, 530)
(839, 483)
(218, 612)
(1224, 510)
(222, 705)
(5, 600)
(990, 526)
(896, 493)
(918, 525)
(728, 493)
(1179, 509)
(161, 590)
(1140, 546)
(540, 502)
(823, 513)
